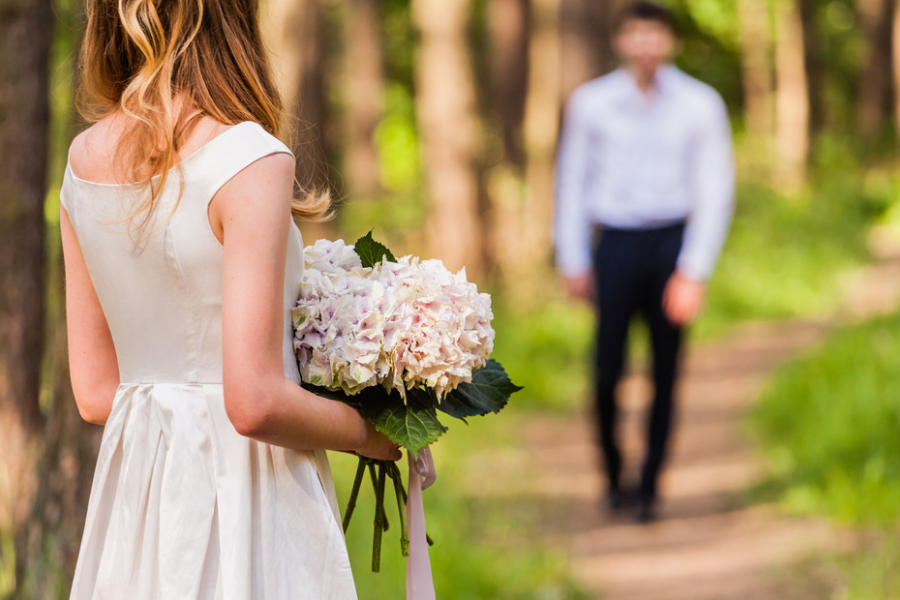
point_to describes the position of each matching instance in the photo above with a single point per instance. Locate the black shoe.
(646, 510)
(614, 500)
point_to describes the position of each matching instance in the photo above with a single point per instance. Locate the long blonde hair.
(139, 56)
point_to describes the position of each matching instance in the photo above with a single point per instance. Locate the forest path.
(709, 542)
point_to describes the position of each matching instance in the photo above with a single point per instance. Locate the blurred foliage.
(547, 351)
(785, 254)
(828, 426)
(871, 572)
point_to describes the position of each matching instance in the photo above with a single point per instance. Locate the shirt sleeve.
(712, 178)
(572, 228)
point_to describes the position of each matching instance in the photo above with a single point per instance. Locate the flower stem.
(394, 473)
(354, 494)
(380, 520)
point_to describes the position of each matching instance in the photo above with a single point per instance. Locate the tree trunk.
(756, 68)
(508, 55)
(65, 469)
(542, 115)
(585, 27)
(791, 99)
(872, 99)
(448, 125)
(815, 67)
(296, 35)
(895, 62)
(25, 37)
(364, 84)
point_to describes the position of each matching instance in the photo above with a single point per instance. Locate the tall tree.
(449, 130)
(813, 50)
(364, 85)
(297, 36)
(69, 444)
(542, 114)
(791, 97)
(756, 68)
(585, 30)
(873, 88)
(895, 62)
(508, 55)
(26, 28)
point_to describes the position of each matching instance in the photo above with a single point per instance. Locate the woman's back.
(182, 506)
(160, 285)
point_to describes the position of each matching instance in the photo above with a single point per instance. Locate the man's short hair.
(646, 11)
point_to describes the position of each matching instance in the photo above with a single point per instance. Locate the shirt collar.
(663, 84)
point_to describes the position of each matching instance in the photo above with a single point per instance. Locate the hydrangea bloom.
(398, 324)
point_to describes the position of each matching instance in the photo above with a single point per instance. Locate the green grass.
(872, 572)
(486, 543)
(828, 427)
(548, 352)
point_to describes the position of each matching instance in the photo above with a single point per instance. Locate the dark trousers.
(632, 268)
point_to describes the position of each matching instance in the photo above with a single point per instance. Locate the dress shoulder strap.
(230, 153)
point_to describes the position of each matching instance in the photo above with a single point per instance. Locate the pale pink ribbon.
(419, 583)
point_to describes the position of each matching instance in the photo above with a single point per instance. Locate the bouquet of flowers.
(402, 340)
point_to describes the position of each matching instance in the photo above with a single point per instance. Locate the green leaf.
(371, 252)
(412, 425)
(488, 392)
(325, 392)
(370, 401)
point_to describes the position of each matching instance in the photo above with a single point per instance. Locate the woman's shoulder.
(251, 131)
(91, 153)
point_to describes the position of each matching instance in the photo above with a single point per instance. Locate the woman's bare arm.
(92, 355)
(251, 216)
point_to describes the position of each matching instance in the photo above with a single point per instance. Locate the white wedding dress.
(183, 507)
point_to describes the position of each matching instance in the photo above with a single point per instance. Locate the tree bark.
(521, 216)
(815, 68)
(508, 55)
(448, 125)
(756, 68)
(542, 115)
(585, 28)
(364, 84)
(296, 35)
(872, 99)
(895, 62)
(791, 99)
(25, 37)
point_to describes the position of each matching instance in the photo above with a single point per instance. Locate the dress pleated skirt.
(183, 507)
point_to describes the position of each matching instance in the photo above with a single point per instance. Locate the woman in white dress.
(182, 263)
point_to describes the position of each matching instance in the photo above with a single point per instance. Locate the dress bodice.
(160, 285)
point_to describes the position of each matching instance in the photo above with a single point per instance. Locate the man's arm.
(713, 184)
(573, 227)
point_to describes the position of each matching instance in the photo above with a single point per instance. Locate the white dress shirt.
(631, 160)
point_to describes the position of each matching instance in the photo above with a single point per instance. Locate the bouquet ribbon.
(419, 582)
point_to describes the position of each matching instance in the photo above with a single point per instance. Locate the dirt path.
(709, 543)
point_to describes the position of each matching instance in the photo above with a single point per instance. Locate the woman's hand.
(378, 446)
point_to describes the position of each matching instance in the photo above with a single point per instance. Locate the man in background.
(645, 164)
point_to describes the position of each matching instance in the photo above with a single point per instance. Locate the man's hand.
(683, 299)
(581, 287)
